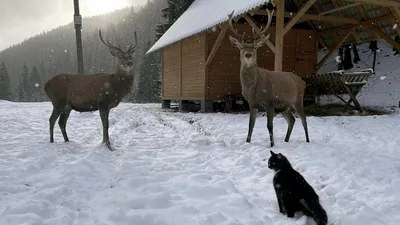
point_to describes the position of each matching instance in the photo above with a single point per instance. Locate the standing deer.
(274, 91)
(88, 93)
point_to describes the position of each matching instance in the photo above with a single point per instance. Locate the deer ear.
(235, 42)
(262, 41)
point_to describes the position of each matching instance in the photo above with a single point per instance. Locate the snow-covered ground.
(383, 88)
(184, 168)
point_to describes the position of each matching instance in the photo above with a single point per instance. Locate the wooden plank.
(341, 13)
(252, 24)
(365, 22)
(385, 3)
(352, 97)
(339, 8)
(307, 17)
(279, 26)
(218, 42)
(384, 36)
(298, 15)
(330, 53)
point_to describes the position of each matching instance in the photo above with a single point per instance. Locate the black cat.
(293, 192)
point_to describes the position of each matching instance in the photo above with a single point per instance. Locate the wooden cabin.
(200, 63)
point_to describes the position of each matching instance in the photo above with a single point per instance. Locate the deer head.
(125, 58)
(248, 47)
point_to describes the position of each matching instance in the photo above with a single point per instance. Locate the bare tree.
(87, 93)
(274, 91)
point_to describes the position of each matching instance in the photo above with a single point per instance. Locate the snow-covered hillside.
(383, 88)
(183, 168)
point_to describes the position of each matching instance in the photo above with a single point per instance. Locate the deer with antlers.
(274, 91)
(88, 93)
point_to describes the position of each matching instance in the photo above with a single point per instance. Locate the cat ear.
(280, 156)
(272, 153)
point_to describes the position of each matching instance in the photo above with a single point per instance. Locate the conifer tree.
(24, 92)
(5, 84)
(174, 10)
(149, 85)
(35, 85)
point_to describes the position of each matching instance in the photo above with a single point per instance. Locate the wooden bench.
(337, 83)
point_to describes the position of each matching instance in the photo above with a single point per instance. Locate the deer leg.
(62, 122)
(52, 120)
(104, 112)
(300, 110)
(252, 121)
(270, 123)
(290, 120)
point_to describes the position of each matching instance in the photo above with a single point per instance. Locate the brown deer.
(276, 92)
(88, 93)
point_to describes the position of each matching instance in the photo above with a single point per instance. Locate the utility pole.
(78, 32)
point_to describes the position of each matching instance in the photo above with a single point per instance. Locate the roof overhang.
(202, 15)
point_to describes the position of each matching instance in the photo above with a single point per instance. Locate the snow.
(202, 15)
(377, 92)
(185, 168)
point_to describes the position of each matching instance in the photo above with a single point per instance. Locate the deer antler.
(260, 34)
(108, 44)
(132, 48)
(242, 36)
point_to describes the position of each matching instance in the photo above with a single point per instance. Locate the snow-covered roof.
(202, 15)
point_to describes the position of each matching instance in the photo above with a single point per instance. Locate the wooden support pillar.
(166, 104)
(207, 106)
(279, 24)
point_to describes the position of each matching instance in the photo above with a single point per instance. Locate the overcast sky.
(20, 19)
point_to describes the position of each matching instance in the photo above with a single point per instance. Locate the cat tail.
(316, 210)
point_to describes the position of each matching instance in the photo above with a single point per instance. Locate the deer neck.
(124, 80)
(248, 76)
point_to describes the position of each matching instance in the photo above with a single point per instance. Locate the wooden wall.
(183, 71)
(184, 76)
(300, 56)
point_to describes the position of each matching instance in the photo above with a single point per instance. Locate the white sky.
(21, 19)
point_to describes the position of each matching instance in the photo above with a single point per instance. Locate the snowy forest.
(25, 67)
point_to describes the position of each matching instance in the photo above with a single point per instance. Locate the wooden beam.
(384, 36)
(253, 25)
(298, 15)
(365, 16)
(220, 38)
(396, 13)
(275, 2)
(279, 26)
(365, 22)
(307, 17)
(341, 13)
(339, 8)
(330, 53)
(385, 3)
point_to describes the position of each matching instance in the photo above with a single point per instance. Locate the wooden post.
(78, 33)
(279, 24)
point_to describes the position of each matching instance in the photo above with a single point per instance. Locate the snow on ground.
(383, 88)
(184, 168)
